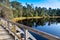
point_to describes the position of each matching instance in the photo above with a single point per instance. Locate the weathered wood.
(50, 37)
(26, 34)
(46, 35)
(4, 34)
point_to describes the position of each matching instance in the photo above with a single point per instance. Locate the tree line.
(30, 11)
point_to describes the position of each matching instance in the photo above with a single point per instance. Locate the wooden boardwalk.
(21, 32)
(4, 35)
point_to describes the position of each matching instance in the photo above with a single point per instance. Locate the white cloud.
(49, 3)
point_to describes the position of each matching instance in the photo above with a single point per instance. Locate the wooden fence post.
(26, 34)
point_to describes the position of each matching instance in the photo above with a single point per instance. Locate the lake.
(47, 25)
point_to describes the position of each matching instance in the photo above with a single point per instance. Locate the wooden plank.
(4, 34)
(46, 35)
(50, 37)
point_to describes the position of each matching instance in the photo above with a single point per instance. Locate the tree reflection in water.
(39, 22)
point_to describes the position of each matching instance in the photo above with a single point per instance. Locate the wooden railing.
(21, 32)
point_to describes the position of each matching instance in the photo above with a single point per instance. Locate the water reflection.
(37, 22)
(51, 26)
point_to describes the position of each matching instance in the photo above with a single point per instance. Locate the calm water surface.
(51, 26)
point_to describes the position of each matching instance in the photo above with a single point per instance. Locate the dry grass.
(22, 18)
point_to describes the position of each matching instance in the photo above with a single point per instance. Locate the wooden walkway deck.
(4, 35)
(20, 32)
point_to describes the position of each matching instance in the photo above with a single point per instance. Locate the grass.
(22, 18)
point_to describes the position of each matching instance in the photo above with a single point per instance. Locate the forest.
(29, 10)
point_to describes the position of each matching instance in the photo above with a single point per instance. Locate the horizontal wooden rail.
(43, 34)
(46, 35)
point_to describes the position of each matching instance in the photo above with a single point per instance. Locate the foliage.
(29, 10)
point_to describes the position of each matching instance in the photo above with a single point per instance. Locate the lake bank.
(22, 18)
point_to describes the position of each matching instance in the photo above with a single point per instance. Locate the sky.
(42, 3)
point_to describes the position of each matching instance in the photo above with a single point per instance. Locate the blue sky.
(41, 3)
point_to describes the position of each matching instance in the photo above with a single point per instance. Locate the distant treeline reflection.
(38, 22)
